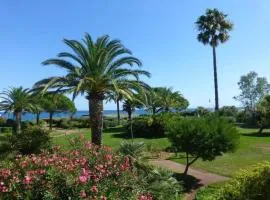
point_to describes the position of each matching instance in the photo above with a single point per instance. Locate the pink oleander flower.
(83, 194)
(94, 189)
(27, 180)
(83, 179)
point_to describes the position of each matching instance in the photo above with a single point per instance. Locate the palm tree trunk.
(51, 120)
(118, 111)
(37, 118)
(96, 118)
(18, 116)
(215, 79)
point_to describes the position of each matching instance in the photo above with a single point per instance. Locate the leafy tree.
(264, 113)
(253, 89)
(97, 69)
(201, 111)
(16, 100)
(213, 28)
(202, 137)
(53, 103)
(228, 111)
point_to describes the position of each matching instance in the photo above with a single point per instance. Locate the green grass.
(112, 138)
(252, 149)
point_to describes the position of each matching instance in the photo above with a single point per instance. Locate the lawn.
(252, 149)
(112, 137)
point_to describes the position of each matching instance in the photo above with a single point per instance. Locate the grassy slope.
(252, 149)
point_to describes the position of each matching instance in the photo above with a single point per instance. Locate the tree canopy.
(253, 88)
(202, 137)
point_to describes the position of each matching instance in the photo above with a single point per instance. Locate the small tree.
(203, 137)
(53, 103)
(263, 108)
(228, 111)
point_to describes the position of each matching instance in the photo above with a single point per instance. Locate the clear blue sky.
(161, 33)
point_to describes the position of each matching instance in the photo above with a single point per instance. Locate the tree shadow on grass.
(114, 130)
(126, 135)
(189, 182)
(256, 134)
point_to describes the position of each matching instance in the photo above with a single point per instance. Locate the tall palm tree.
(95, 68)
(16, 100)
(213, 28)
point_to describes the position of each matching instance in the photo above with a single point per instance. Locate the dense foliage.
(32, 140)
(202, 137)
(148, 127)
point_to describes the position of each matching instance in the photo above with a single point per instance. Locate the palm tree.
(171, 100)
(95, 69)
(16, 100)
(214, 29)
(116, 97)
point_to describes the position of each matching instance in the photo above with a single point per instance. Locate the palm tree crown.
(213, 27)
(16, 100)
(96, 69)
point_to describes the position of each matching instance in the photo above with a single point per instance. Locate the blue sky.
(161, 33)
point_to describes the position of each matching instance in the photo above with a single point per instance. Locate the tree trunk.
(96, 118)
(37, 118)
(18, 116)
(260, 130)
(154, 110)
(51, 120)
(118, 111)
(187, 164)
(215, 79)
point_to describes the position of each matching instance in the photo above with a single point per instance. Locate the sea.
(79, 114)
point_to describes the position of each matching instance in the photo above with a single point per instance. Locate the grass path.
(203, 178)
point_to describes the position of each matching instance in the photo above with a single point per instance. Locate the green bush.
(249, 184)
(6, 129)
(3, 121)
(211, 192)
(110, 122)
(159, 182)
(148, 127)
(202, 137)
(133, 149)
(31, 140)
(72, 123)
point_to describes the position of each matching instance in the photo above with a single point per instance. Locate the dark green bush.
(3, 121)
(31, 140)
(110, 122)
(148, 126)
(202, 137)
(73, 123)
(249, 184)
(6, 129)
(11, 123)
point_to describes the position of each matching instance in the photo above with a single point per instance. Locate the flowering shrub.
(85, 172)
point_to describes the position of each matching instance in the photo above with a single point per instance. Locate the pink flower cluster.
(88, 165)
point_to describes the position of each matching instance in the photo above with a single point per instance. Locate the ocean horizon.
(79, 114)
